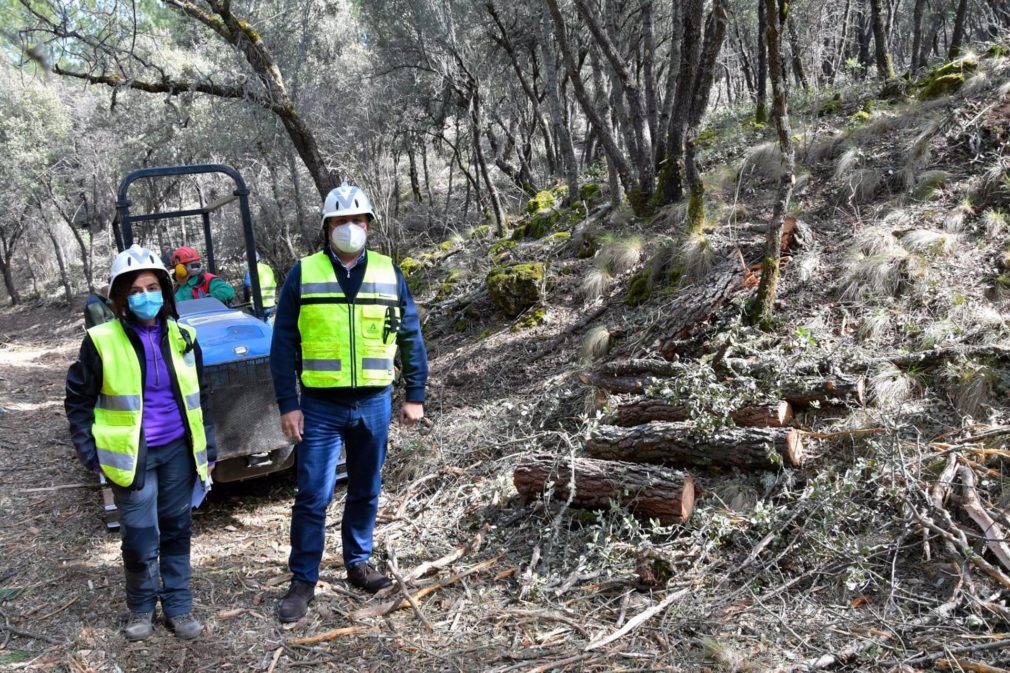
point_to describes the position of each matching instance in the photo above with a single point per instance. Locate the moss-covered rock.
(501, 250)
(482, 231)
(560, 236)
(861, 116)
(830, 106)
(542, 201)
(446, 246)
(638, 289)
(516, 287)
(946, 79)
(541, 223)
(560, 193)
(531, 318)
(445, 289)
(409, 266)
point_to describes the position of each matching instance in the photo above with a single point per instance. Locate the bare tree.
(761, 309)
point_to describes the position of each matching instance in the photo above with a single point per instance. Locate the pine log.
(995, 537)
(646, 490)
(618, 385)
(673, 444)
(636, 367)
(644, 411)
(837, 389)
(694, 305)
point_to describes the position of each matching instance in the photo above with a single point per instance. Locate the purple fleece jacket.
(162, 420)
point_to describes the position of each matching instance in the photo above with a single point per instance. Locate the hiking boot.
(185, 626)
(364, 576)
(296, 601)
(140, 626)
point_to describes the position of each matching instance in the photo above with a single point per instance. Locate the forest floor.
(864, 558)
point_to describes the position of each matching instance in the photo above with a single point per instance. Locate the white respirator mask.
(348, 237)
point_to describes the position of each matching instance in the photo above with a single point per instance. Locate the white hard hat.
(135, 258)
(346, 200)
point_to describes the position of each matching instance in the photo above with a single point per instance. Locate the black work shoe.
(296, 601)
(185, 626)
(140, 626)
(364, 576)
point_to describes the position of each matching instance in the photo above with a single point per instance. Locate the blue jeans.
(156, 525)
(360, 429)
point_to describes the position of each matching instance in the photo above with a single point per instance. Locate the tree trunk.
(415, 182)
(761, 110)
(675, 444)
(649, 72)
(761, 309)
(917, 11)
(603, 132)
(795, 50)
(645, 411)
(68, 290)
(885, 66)
(957, 37)
(648, 491)
(475, 117)
(562, 134)
(672, 72)
(12, 290)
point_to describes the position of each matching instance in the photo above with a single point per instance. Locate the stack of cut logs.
(633, 457)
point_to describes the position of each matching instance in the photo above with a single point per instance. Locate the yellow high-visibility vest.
(268, 284)
(348, 344)
(120, 409)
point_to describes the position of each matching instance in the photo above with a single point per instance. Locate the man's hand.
(293, 425)
(410, 413)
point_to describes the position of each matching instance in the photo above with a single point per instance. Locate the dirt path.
(61, 597)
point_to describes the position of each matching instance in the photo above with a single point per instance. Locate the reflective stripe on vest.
(348, 344)
(268, 284)
(119, 412)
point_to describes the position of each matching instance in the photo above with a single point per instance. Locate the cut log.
(837, 389)
(694, 305)
(673, 444)
(650, 367)
(645, 411)
(646, 490)
(995, 537)
(618, 385)
(796, 234)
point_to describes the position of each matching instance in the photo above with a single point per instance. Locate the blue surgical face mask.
(145, 305)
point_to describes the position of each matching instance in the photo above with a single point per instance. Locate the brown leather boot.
(296, 601)
(364, 576)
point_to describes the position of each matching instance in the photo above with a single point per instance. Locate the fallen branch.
(14, 631)
(392, 606)
(965, 665)
(333, 634)
(967, 649)
(995, 537)
(406, 594)
(431, 566)
(637, 620)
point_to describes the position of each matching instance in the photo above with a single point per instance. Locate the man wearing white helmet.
(342, 314)
(138, 414)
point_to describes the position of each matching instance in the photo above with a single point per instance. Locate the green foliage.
(590, 192)
(997, 51)
(830, 106)
(517, 287)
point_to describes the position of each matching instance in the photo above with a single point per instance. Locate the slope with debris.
(846, 467)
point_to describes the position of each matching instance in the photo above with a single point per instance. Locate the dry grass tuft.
(975, 84)
(847, 163)
(807, 264)
(595, 283)
(994, 222)
(929, 182)
(876, 268)
(971, 388)
(928, 242)
(696, 257)
(620, 254)
(937, 332)
(596, 343)
(764, 161)
(874, 326)
(1004, 90)
(726, 656)
(890, 386)
(863, 185)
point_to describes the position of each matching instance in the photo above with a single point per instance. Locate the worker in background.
(268, 286)
(96, 308)
(194, 282)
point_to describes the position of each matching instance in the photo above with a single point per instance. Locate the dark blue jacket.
(285, 350)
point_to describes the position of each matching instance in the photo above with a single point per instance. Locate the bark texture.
(650, 491)
(640, 412)
(674, 444)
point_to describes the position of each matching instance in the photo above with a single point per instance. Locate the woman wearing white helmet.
(138, 414)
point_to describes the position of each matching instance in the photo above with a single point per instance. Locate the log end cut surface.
(793, 452)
